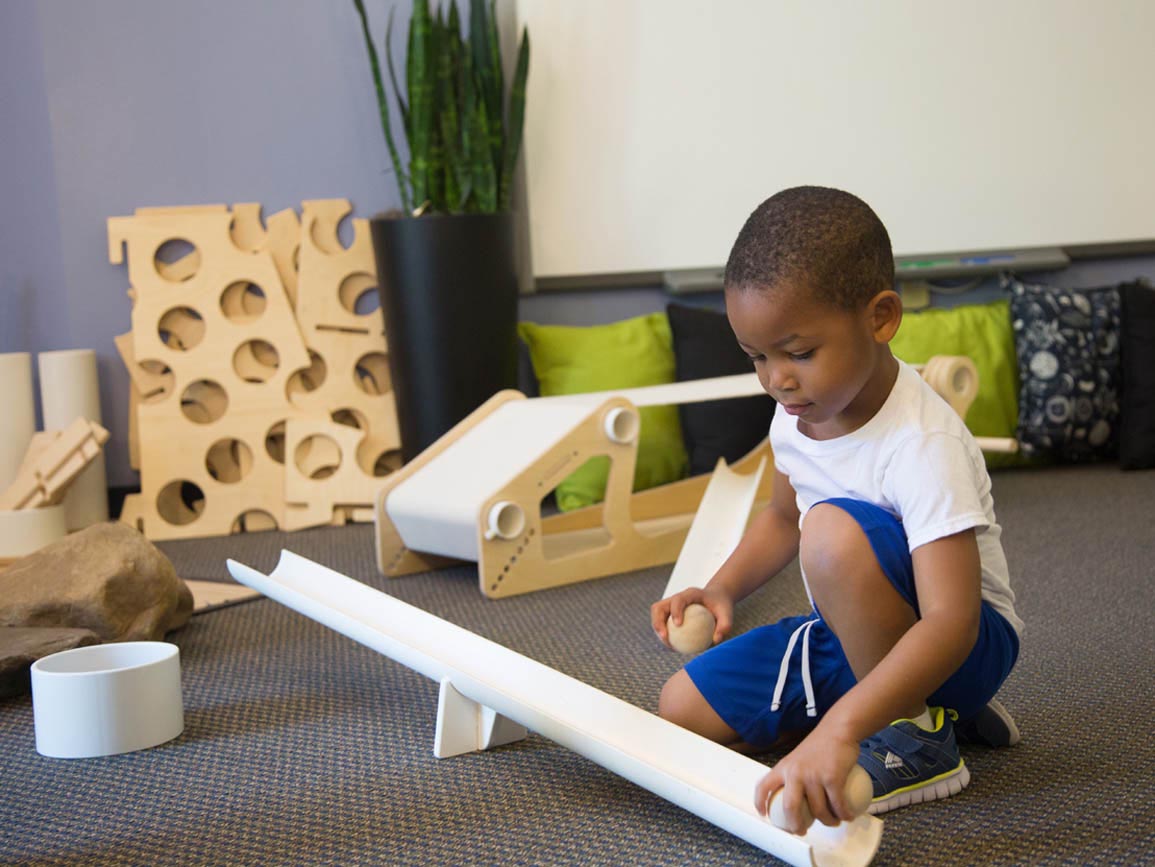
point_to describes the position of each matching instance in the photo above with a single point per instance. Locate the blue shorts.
(740, 677)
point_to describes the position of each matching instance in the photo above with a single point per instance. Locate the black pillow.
(1137, 423)
(704, 347)
(1067, 342)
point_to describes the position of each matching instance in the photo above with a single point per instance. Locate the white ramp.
(678, 765)
(718, 527)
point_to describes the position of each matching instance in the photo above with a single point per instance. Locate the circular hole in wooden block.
(377, 462)
(180, 502)
(177, 260)
(275, 442)
(204, 401)
(158, 381)
(350, 418)
(372, 373)
(253, 521)
(256, 361)
(326, 235)
(309, 378)
(243, 301)
(317, 456)
(358, 293)
(229, 460)
(181, 328)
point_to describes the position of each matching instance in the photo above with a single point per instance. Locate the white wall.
(656, 126)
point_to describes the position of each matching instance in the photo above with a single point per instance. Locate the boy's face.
(828, 366)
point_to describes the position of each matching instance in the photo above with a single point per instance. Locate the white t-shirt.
(915, 459)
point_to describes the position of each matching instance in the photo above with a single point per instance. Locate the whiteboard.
(654, 127)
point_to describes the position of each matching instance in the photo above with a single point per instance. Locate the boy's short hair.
(826, 239)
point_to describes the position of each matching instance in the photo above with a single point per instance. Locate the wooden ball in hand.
(859, 793)
(696, 632)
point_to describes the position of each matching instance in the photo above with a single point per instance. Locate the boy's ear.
(885, 312)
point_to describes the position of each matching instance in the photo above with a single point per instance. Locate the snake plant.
(464, 134)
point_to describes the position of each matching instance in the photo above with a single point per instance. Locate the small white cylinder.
(19, 413)
(107, 699)
(25, 531)
(69, 389)
(506, 520)
(621, 425)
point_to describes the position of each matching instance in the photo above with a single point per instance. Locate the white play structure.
(491, 695)
(475, 494)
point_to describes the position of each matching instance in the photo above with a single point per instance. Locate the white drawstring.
(784, 668)
(807, 686)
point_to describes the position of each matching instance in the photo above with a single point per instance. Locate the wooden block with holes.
(347, 380)
(214, 343)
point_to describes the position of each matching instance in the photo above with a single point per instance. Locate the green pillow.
(627, 354)
(983, 332)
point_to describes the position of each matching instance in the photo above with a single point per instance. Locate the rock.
(20, 647)
(107, 578)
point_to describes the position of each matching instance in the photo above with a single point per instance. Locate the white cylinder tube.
(69, 389)
(25, 531)
(19, 413)
(107, 699)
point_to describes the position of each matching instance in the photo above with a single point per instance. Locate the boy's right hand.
(717, 603)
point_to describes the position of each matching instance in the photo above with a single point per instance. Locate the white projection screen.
(654, 127)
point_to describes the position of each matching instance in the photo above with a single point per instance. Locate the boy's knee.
(675, 703)
(833, 547)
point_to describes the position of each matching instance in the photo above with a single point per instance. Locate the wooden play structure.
(476, 494)
(41, 472)
(260, 393)
(53, 461)
(491, 695)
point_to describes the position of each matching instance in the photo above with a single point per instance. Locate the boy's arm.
(769, 544)
(948, 579)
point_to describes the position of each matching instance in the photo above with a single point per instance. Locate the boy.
(883, 495)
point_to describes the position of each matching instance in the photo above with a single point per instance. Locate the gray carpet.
(302, 747)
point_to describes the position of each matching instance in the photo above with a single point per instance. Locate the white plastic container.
(107, 699)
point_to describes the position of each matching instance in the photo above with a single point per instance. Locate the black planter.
(448, 287)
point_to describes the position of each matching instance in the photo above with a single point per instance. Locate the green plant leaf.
(392, 72)
(383, 106)
(421, 96)
(514, 123)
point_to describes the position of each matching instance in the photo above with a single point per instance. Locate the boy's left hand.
(816, 771)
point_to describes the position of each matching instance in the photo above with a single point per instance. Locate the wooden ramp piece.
(698, 775)
(476, 493)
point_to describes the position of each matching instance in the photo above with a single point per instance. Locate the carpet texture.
(303, 747)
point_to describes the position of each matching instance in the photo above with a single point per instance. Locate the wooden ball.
(696, 632)
(859, 793)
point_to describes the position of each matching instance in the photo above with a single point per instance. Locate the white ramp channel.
(698, 775)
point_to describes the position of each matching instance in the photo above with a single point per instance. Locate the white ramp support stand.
(698, 775)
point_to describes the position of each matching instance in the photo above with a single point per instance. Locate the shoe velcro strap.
(899, 741)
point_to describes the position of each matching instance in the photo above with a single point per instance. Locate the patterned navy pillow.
(1067, 342)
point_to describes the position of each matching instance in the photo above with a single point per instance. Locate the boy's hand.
(815, 771)
(718, 604)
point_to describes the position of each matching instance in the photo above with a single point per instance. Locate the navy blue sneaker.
(993, 726)
(909, 765)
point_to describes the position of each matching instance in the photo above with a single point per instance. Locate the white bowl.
(107, 699)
